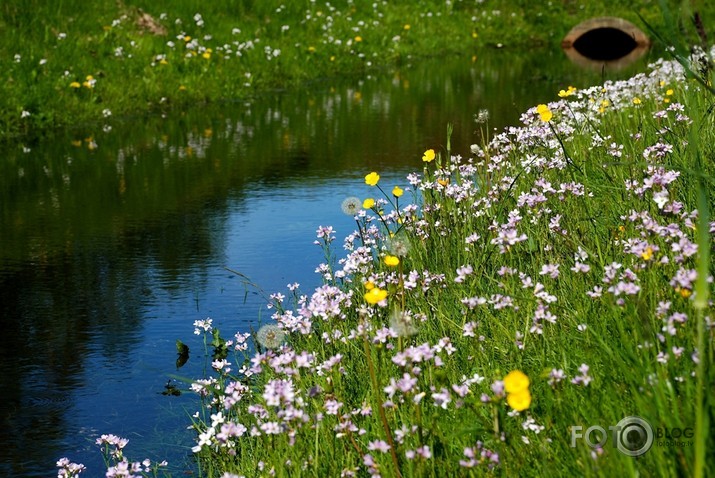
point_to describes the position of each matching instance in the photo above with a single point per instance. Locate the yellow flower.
(443, 182)
(568, 92)
(428, 156)
(685, 293)
(368, 203)
(669, 92)
(516, 381)
(544, 113)
(75, 84)
(636, 101)
(206, 55)
(358, 39)
(397, 191)
(369, 285)
(182, 88)
(187, 38)
(519, 401)
(392, 261)
(311, 49)
(407, 26)
(647, 254)
(375, 295)
(372, 179)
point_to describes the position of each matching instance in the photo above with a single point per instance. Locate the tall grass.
(573, 248)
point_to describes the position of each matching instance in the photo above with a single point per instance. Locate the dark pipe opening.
(605, 44)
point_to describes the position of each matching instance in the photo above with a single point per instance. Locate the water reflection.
(113, 243)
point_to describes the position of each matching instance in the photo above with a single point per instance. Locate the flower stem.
(380, 408)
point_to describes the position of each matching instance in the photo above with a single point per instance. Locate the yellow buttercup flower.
(516, 381)
(358, 39)
(636, 101)
(647, 254)
(75, 84)
(407, 26)
(568, 92)
(544, 113)
(397, 191)
(375, 295)
(428, 156)
(369, 285)
(368, 203)
(372, 179)
(392, 261)
(519, 401)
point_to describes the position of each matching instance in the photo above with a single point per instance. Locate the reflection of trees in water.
(52, 316)
(87, 303)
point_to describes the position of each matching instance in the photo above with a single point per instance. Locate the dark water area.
(113, 242)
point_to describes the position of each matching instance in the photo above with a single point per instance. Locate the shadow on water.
(114, 242)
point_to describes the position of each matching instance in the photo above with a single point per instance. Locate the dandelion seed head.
(351, 206)
(398, 245)
(270, 336)
(402, 323)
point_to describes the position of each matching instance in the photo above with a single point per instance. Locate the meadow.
(540, 307)
(63, 64)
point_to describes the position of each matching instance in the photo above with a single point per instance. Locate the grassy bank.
(566, 249)
(539, 308)
(63, 63)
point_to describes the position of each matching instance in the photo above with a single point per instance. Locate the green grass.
(125, 46)
(576, 191)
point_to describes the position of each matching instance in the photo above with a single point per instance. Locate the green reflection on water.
(65, 192)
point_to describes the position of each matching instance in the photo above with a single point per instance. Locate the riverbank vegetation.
(63, 64)
(555, 280)
(541, 307)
